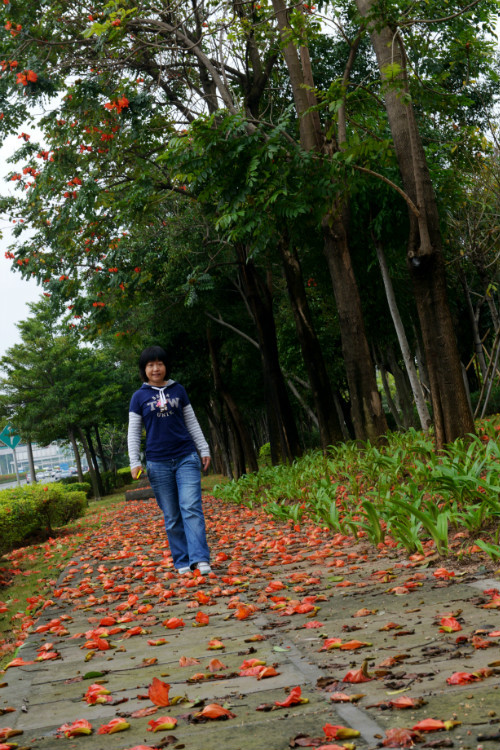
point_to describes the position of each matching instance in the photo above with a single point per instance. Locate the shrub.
(36, 509)
(68, 480)
(76, 486)
(18, 520)
(124, 476)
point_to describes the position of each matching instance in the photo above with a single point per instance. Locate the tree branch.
(402, 193)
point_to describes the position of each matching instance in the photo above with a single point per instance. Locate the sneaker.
(183, 571)
(204, 568)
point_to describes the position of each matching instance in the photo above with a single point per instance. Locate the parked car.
(65, 473)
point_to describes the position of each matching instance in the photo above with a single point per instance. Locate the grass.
(209, 481)
(28, 574)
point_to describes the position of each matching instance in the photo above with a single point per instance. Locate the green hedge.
(36, 509)
(72, 484)
(110, 480)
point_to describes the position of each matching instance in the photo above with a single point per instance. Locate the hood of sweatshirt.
(160, 390)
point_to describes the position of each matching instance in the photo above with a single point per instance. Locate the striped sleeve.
(194, 430)
(134, 438)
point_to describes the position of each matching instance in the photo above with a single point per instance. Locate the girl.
(173, 437)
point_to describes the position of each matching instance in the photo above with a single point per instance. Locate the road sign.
(9, 437)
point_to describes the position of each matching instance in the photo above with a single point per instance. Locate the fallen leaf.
(141, 712)
(390, 626)
(294, 697)
(344, 698)
(202, 619)
(7, 732)
(161, 723)
(81, 726)
(174, 622)
(113, 726)
(214, 711)
(337, 732)
(188, 661)
(267, 672)
(364, 612)
(358, 675)
(158, 692)
(215, 644)
(449, 625)
(215, 664)
(399, 737)
(429, 725)
(353, 645)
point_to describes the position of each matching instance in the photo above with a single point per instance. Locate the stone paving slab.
(48, 694)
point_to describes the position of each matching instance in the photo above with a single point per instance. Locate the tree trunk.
(95, 464)
(416, 386)
(490, 375)
(388, 395)
(237, 452)
(76, 452)
(329, 427)
(31, 462)
(88, 455)
(249, 456)
(220, 438)
(451, 412)
(403, 389)
(367, 413)
(283, 430)
(100, 449)
(474, 322)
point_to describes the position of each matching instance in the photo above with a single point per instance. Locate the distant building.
(48, 457)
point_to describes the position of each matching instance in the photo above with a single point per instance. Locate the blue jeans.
(176, 483)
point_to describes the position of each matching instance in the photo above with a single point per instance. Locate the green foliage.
(36, 510)
(72, 484)
(402, 491)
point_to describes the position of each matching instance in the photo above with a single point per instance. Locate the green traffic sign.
(9, 437)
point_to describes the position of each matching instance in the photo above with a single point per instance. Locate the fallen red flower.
(158, 692)
(294, 697)
(214, 711)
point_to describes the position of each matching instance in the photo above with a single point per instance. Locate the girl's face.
(156, 372)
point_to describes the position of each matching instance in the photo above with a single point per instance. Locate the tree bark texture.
(403, 389)
(76, 453)
(387, 390)
(100, 449)
(95, 464)
(249, 456)
(474, 321)
(451, 413)
(368, 416)
(418, 393)
(219, 435)
(328, 422)
(284, 437)
(88, 456)
(31, 461)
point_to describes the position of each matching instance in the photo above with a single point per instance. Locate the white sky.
(15, 292)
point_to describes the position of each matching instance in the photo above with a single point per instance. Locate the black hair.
(151, 354)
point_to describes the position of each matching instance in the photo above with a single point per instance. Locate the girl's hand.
(135, 472)
(205, 462)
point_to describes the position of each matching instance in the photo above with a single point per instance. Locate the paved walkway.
(298, 600)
